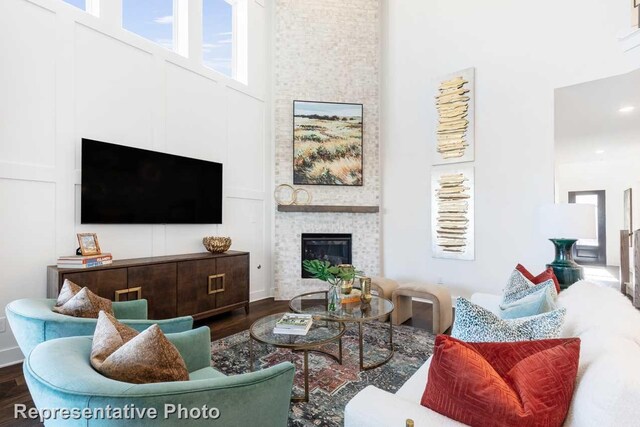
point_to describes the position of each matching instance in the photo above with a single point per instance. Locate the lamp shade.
(568, 221)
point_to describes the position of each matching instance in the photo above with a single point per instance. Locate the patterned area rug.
(332, 385)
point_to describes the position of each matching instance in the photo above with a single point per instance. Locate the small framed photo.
(89, 244)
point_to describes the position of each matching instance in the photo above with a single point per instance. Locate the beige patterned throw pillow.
(109, 336)
(84, 304)
(68, 290)
(120, 353)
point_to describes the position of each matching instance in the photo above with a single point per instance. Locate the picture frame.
(328, 143)
(88, 244)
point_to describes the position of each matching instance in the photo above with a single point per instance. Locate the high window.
(151, 19)
(80, 4)
(218, 36)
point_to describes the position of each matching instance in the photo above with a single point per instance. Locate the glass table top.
(321, 332)
(316, 303)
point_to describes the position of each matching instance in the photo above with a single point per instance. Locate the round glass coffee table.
(316, 303)
(322, 332)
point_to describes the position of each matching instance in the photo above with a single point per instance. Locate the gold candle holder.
(365, 287)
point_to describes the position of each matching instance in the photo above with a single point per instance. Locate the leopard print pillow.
(476, 324)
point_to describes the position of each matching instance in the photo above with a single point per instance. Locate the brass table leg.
(304, 398)
(364, 367)
(361, 345)
(250, 354)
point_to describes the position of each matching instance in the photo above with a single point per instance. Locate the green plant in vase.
(334, 275)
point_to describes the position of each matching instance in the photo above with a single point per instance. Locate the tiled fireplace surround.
(289, 228)
(350, 31)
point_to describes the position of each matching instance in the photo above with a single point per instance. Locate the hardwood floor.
(13, 389)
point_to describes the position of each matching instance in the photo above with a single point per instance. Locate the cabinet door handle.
(212, 279)
(137, 290)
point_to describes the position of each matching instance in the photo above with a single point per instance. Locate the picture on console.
(327, 143)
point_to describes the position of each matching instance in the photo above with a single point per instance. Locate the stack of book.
(82, 261)
(351, 297)
(293, 324)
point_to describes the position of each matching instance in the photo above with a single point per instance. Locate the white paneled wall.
(65, 75)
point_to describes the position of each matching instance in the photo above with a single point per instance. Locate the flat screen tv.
(125, 185)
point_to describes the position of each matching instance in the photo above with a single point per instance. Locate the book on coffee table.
(293, 324)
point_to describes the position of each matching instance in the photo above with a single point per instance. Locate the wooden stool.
(438, 295)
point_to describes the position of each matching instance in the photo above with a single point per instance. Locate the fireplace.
(335, 248)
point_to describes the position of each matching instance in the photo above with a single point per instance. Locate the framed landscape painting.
(327, 143)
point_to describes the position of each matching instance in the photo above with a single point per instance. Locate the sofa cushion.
(607, 390)
(504, 384)
(592, 307)
(519, 287)
(548, 274)
(476, 324)
(542, 300)
(121, 353)
(84, 304)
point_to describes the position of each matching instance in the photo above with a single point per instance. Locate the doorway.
(592, 251)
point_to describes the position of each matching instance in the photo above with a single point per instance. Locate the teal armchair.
(33, 321)
(59, 375)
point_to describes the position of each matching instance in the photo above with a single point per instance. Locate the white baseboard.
(10, 356)
(259, 295)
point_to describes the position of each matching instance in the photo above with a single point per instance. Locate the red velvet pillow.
(540, 278)
(527, 383)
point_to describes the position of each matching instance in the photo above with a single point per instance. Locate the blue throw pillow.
(541, 300)
(519, 287)
(476, 324)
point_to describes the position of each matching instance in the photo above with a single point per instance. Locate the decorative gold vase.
(346, 285)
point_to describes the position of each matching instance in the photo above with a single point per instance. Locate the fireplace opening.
(335, 248)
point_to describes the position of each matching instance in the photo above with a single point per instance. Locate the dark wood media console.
(198, 285)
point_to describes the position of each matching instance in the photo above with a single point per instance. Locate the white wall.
(521, 54)
(66, 75)
(612, 176)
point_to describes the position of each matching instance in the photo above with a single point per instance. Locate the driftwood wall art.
(452, 213)
(455, 135)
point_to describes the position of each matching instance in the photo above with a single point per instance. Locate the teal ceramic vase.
(564, 267)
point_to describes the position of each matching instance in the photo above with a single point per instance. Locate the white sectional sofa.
(607, 391)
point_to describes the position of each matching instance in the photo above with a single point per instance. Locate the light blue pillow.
(541, 300)
(476, 324)
(519, 287)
